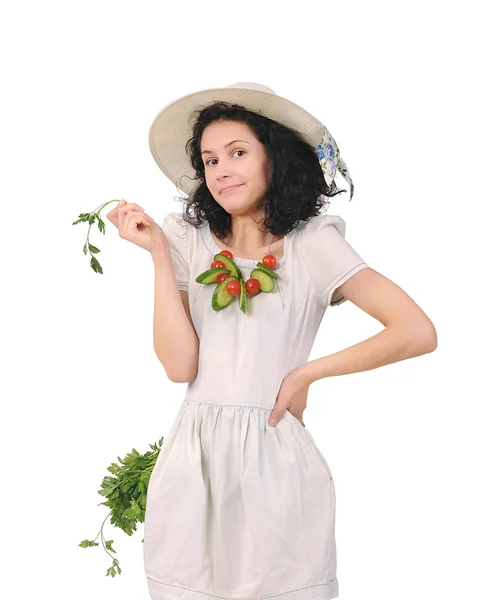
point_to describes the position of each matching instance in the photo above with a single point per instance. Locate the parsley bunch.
(91, 218)
(126, 494)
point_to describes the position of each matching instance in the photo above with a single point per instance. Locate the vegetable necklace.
(230, 282)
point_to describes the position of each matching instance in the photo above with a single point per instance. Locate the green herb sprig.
(126, 494)
(90, 218)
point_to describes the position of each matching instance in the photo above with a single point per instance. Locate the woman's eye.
(208, 161)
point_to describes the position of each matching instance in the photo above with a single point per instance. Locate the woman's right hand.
(131, 221)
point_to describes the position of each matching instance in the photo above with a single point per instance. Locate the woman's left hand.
(292, 396)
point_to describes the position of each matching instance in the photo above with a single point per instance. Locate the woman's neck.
(273, 245)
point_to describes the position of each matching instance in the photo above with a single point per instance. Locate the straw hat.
(171, 129)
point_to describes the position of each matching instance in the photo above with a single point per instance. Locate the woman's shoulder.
(175, 224)
(318, 227)
(175, 219)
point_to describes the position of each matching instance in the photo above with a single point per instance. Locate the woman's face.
(244, 162)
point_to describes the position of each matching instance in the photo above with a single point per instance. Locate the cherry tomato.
(221, 277)
(252, 286)
(227, 253)
(269, 261)
(234, 287)
(217, 263)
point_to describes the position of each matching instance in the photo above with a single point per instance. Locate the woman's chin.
(238, 206)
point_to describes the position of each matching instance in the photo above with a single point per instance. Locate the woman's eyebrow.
(226, 146)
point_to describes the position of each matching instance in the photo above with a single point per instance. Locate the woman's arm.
(408, 331)
(174, 337)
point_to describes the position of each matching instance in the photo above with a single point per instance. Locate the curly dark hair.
(297, 185)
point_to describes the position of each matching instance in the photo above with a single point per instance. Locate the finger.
(124, 209)
(120, 205)
(113, 216)
(114, 211)
(135, 218)
(137, 214)
(276, 414)
(129, 205)
(123, 213)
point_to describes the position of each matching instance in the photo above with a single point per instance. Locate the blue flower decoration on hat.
(330, 160)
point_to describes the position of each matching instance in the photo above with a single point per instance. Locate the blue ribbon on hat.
(330, 160)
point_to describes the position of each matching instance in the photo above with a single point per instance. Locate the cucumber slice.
(267, 270)
(243, 296)
(266, 282)
(210, 276)
(221, 297)
(230, 265)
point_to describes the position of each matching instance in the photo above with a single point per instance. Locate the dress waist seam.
(186, 400)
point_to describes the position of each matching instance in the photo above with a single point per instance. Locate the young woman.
(241, 502)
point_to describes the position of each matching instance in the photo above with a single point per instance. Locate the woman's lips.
(231, 188)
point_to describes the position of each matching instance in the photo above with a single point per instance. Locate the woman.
(241, 502)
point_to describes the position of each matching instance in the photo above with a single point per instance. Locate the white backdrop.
(405, 91)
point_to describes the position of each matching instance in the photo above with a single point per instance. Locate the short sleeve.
(175, 229)
(330, 259)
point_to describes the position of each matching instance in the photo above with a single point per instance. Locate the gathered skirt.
(239, 510)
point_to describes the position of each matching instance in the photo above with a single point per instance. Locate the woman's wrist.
(158, 252)
(307, 374)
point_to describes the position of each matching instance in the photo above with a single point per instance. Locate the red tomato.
(269, 261)
(234, 287)
(227, 253)
(217, 263)
(221, 277)
(252, 286)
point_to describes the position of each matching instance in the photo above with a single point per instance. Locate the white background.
(404, 88)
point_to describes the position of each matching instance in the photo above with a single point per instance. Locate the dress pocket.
(296, 421)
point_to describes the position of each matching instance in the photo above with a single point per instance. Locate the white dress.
(237, 509)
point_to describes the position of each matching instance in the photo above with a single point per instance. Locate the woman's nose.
(223, 173)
